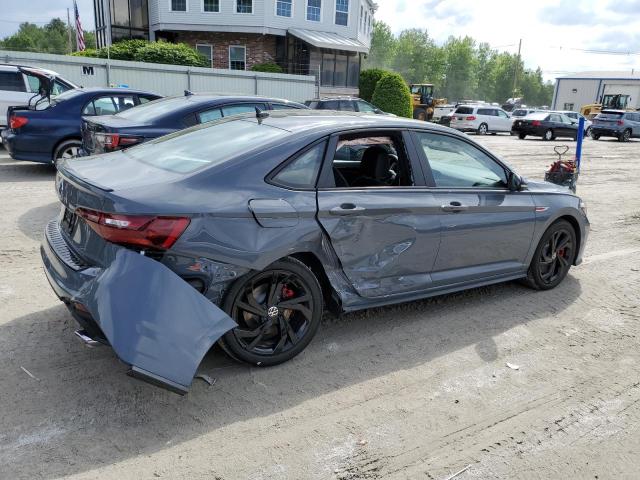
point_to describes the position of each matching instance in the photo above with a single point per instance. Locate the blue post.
(579, 145)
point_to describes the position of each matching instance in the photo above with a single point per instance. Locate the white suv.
(19, 84)
(481, 119)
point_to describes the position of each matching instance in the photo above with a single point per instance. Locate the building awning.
(328, 40)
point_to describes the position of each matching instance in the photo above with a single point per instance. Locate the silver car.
(481, 119)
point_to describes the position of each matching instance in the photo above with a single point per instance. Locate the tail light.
(145, 231)
(111, 141)
(536, 123)
(620, 122)
(470, 118)
(16, 122)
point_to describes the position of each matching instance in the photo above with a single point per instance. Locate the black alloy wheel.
(553, 257)
(625, 136)
(595, 136)
(522, 136)
(278, 311)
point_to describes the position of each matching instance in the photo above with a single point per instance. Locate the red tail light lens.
(536, 123)
(111, 141)
(470, 118)
(17, 122)
(159, 233)
(620, 122)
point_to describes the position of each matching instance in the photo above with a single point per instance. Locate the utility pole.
(69, 43)
(515, 71)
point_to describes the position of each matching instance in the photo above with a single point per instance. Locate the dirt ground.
(414, 391)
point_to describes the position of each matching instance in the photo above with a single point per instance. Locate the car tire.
(595, 136)
(553, 257)
(268, 333)
(67, 149)
(522, 136)
(548, 135)
(587, 132)
(483, 129)
(625, 136)
(420, 114)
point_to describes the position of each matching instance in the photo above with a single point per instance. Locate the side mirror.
(378, 111)
(514, 182)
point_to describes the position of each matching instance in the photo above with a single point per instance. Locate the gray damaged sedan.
(240, 232)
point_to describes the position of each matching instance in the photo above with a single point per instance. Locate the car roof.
(615, 111)
(329, 121)
(196, 98)
(539, 115)
(329, 99)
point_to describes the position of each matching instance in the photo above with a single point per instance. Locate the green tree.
(392, 96)
(383, 47)
(460, 76)
(50, 38)
(418, 59)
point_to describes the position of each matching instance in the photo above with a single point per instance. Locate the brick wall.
(260, 48)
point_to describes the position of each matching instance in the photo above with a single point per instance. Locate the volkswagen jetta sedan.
(241, 231)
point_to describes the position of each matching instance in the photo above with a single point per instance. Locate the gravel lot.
(419, 390)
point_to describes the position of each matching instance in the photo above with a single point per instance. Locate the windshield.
(609, 116)
(152, 110)
(519, 113)
(205, 145)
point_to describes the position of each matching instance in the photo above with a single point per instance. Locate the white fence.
(167, 79)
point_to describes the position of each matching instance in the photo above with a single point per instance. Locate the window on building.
(361, 17)
(342, 12)
(206, 51)
(314, 8)
(178, 5)
(568, 106)
(284, 8)
(328, 66)
(244, 6)
(369, 23)
(211, 6)
(340, 76)
(237, 57)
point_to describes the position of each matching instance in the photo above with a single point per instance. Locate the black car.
(548, 126)
(48, 132)
(115, 132)
(344, 104)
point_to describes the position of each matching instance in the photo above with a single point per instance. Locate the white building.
(327, 38)
(574, 91)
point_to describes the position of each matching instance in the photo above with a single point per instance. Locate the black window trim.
(223, 105)
(428, 174)
(269, 178)
(326, 180)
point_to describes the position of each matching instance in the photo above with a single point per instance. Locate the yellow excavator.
(423, 102)
(614, 102)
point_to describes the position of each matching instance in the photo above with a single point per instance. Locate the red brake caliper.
(287, 293)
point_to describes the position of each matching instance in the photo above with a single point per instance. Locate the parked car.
(575, 116)
(19, 85)
(52, 133)
(344, 104)
(547, 125)
(115, 132)
(523, 112)
(616, 123)
(481, 119)
(241, 230)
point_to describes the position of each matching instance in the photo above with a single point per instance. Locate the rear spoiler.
(46, 85)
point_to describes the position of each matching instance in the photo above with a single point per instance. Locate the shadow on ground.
(12, 171)
(83, 412)
(33, 221)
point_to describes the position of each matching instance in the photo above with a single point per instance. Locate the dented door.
(387, 239)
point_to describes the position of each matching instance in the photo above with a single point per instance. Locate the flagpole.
(70, 44)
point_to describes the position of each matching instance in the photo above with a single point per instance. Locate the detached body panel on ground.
(266, 219)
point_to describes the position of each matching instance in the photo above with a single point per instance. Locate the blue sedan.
(48, 134)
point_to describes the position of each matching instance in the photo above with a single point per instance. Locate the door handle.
(346, 209)
(454, 207)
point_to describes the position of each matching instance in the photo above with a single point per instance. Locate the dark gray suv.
(616, 123)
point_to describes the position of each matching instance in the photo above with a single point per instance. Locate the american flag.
(79, 32)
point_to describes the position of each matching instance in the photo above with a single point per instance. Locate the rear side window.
(243, 108)
(330, 105)
(12, 82)
(464, 110)
(486, 111)
(302, 172)
(610, 116)
(209, 115)
(312, 105)
(284, 106)
(347, 106)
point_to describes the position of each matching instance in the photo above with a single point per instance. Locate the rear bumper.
(605, 132)
(154, 321)
(17, 147)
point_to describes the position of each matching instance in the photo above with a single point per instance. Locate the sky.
(554, 33)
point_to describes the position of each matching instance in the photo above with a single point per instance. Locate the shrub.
(172, 54)
(392, 95)
(268, 67)
(89, 52)
(368, 81)
(123, 50)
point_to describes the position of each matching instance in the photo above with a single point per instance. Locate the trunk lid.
(103, 124)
